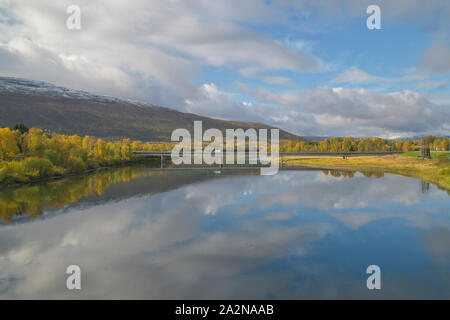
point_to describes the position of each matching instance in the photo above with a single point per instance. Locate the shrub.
(91, 164)
(75, 164)
(12, 172)
(3, 172)
(59, 171)
(43, 167)
(52, 156)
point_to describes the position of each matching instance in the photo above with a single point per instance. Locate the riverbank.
(433, 171)
(80, 173)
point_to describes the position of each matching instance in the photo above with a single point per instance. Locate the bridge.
(344, 154)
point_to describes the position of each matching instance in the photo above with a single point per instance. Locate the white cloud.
(153, 51)
(285, 81)
(436, 59)
(211, 101)
(357, 112)
(131, 49)
(434, 84)
(354, 75)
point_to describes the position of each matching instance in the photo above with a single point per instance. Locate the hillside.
(43, 105)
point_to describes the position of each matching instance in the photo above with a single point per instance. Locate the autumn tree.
(34, 142)
(8, 144)
(407, 146)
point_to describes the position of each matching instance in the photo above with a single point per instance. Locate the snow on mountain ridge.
(27, 86)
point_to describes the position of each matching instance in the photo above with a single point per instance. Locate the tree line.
(347, 144)
(29, 154)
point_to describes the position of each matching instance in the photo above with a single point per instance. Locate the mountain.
(46, 106)
(316, 138)
(419, 138)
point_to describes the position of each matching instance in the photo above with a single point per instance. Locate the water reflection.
(425, 186)
(32, 200)
(195, 234)
(351, 173)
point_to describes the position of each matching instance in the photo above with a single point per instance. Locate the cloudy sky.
(310, 67)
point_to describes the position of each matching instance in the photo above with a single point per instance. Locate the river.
(137, 232)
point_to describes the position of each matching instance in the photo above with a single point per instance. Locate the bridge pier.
(162, 161)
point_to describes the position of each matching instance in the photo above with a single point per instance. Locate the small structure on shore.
(425, 149)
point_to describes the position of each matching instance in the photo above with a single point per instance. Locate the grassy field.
(433, 154)
(433, 171)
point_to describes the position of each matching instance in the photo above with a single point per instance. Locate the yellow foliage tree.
(8, 144)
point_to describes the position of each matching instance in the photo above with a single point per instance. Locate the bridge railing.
(283, 154)
(251, 155)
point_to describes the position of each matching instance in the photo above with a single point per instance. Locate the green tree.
(21, 128)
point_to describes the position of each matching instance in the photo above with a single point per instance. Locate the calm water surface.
(143, 233)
